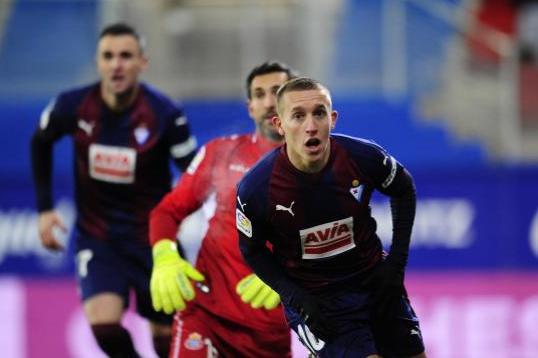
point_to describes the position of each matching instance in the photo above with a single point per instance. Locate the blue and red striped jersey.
(122, 159)
(318, 226)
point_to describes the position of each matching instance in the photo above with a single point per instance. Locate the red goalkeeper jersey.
(216, 169)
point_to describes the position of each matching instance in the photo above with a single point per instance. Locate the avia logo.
(328, 239)
(87, 127)
(283, 208)
(112, 164)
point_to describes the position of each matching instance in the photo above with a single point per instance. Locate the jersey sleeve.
(385, 173)
(56, 120)
(188, 195)
(182, 143)
(254, 233)
(392, 179)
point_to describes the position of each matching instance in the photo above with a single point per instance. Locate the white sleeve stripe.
(182, 149)
(392, 173)
(181, 121)
(45, 115)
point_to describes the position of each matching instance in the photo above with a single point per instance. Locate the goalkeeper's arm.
(170, 284)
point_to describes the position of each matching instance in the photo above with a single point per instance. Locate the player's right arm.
(171, 276)
(53, 124)
(253, 233)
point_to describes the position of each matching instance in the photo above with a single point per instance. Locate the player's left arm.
(393, 180)
(181, 141)
(400, 187)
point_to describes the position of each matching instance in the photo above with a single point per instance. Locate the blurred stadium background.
(450, 87)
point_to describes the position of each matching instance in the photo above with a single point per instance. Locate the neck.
(268, 142)
(309, 167)
(121, 101)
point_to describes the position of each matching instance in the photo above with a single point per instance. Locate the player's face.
(306, 122)
(262, 103)
(119, 62)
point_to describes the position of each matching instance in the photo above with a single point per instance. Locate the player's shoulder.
(67, 101)
(229, 142)
(358, 147)
(159, 99)
(76, 94)
(260, 174)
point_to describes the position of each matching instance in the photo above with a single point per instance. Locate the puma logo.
(283, 208)
(241, 204)
(85, 126)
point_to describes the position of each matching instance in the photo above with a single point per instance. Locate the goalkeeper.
(222, 306)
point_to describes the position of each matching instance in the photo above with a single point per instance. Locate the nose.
(311, 126)
(116, 62)
(270, 101)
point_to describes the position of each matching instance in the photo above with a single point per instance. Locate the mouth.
(313, 145)
(269, 116)
(117, 78)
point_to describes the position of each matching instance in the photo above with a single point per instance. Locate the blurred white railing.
(474, 101)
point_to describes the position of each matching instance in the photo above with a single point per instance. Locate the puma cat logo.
(283, 208)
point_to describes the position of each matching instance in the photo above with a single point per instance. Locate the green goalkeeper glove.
(170, 286)
(254, 291)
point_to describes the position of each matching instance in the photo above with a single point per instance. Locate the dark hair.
(119, 29)
(299, 84)
(268, 67)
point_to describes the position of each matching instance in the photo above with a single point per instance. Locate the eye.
(259, 94)
(107, 55)
(126, 55)
(297, 115)
(320, 113)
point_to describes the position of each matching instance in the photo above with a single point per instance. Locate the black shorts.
(106, 266)
(398, 334)
(359, 332)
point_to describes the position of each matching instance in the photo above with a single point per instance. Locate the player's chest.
(112, 148)
(320, 219)
(138, 129)
(229, 170)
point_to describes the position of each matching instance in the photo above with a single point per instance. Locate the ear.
(145, 63)
(277, 123)
(249, 108)
(334, 117)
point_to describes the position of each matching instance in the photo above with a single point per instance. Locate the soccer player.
(231, 312)
(125, 134)
(305, 227)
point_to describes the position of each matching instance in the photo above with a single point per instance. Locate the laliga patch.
(328, 239)
(243, 223)
(112, 164)
(194, 342)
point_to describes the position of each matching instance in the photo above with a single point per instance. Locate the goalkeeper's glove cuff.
(165, 251)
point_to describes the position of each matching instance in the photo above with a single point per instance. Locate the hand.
(254, 291)
(48, 221)
(308, 308)
(170, 284)
(388, 284)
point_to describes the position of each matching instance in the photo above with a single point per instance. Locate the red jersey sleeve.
(187, 196)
